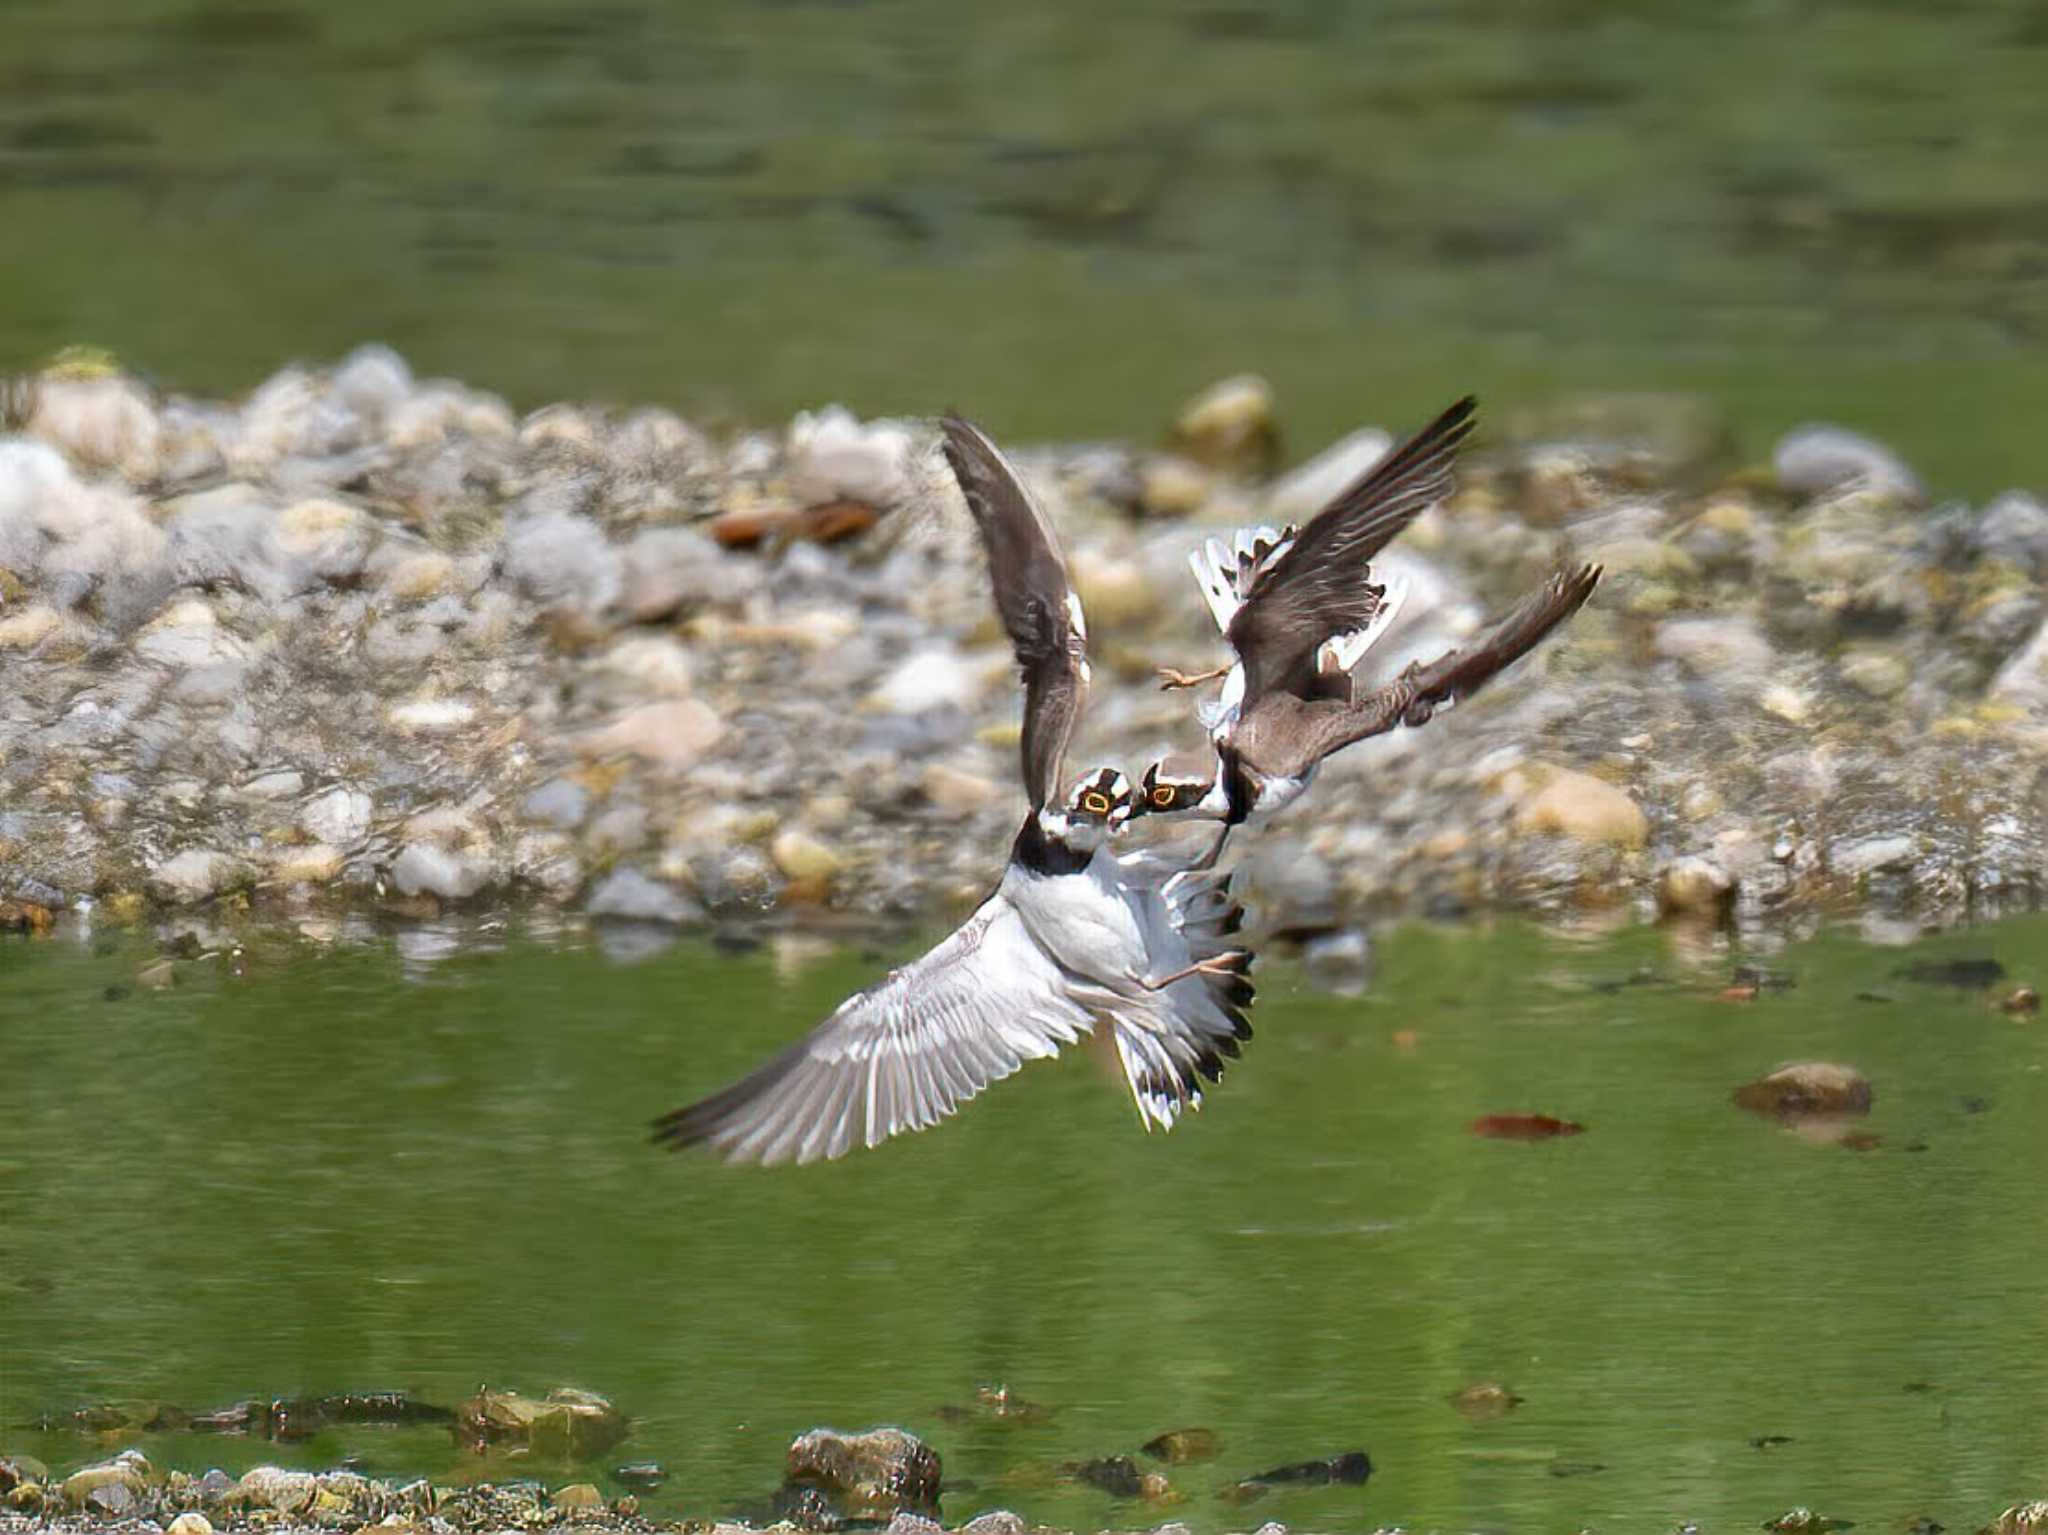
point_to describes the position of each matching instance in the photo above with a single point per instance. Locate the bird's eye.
(1163, 795)
(1095, 803)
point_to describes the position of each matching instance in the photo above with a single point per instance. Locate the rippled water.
(1065, 217)
(352, 1170)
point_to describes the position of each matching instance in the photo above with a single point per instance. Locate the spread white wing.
(901, 1055)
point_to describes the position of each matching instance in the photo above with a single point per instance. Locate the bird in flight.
(1299, 609)
(1074, 937)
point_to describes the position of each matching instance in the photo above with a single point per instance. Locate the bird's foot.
(1225, 963)
(1171, 677)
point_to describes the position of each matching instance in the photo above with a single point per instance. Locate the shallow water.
(1063, 218)
(350, 1170)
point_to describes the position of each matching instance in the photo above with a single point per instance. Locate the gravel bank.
(362, 641)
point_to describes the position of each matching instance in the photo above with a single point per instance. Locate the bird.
(1074, 936)
(1298, 610)
(1226, 575)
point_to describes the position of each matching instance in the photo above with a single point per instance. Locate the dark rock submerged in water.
(362, 639)
(1349, 1469)
(1185, 1446)
(565, 1425)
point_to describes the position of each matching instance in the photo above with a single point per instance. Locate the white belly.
(1085, 920)
(1276, 794)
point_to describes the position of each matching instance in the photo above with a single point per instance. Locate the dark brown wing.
(1318, 588)
(1034, 599)
(1420, 691)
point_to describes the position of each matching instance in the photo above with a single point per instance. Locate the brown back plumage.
(1318, 587)
(1034, 600)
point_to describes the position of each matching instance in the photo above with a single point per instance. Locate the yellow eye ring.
(1163, 795)
(1095, 804)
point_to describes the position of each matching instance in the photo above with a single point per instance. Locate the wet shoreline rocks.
(364, 642)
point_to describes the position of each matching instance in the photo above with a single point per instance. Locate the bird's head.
(1177, 784)
(1095, 809)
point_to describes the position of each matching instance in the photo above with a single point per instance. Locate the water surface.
(349, 1170)
(1065, 217)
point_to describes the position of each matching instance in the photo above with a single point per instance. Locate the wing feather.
(1416, 695)
(1034, 598)
(900, 1056)
(1317, 587)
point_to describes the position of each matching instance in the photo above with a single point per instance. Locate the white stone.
(802, 856)
(2023, 680)
(671, 735)
(372, 381)
(103, 423)
(1868, 855)
(340, 815)
(324, 538)
(188, 635)
(28, 626)
(313, 864)
(1815, 460)
(194, 875)
(431, 716)
(562, 558)
(283, 783)
(1713, 647)
(928, 679)
(626, 892)
(1305, 490)
(831, 454)
(422, 869)
(654, 662)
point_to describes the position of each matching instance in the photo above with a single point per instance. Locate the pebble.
(340, 816)
(424, 869)
(654, 663)
(559, 802)
(29, 627)
(1172, 487)
(1715, 647)
(1306, 489)
(417, 576)
(1868, 855)
(578, 1498)
(1231, 426)
(314, 864)
(191, 1522)
(1580, 806)
(936, 678)
(1817, 460)
(431, 716)
(274, 1487)
(626, 892)
(1880, 673)
(1808, 1087)
(671, 736)
(328, 540)
(958, 793)
(802, 856)
(195, 875)
(1695, 887)
(831, 455)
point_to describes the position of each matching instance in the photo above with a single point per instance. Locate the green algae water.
(1064, 217)
(420, 1164)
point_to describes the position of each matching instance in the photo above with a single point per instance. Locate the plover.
(1073, 935)
(1298, 609)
